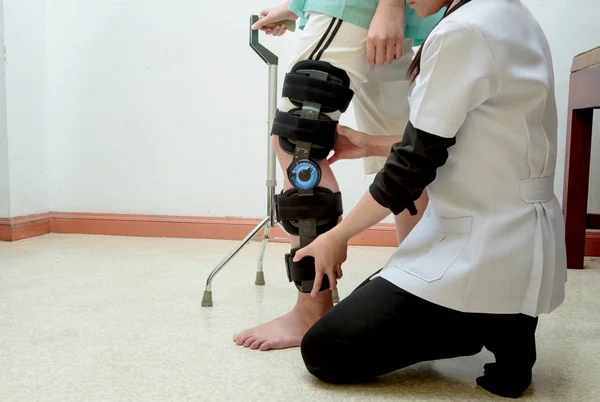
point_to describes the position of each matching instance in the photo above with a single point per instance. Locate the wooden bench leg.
(576, 183)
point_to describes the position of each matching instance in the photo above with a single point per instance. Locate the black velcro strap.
(303, 272)
(318, 206)
(328, 94)
(320, 65)
(295, 128)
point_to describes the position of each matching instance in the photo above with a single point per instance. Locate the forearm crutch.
(269, 221)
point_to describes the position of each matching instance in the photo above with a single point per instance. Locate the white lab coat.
(492, 238)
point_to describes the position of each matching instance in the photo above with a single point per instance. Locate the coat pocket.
(429, 254)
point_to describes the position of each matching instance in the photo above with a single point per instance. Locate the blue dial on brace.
(305, 175)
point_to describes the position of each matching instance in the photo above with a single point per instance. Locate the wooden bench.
(582, 235)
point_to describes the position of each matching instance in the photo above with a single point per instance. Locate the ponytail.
(415, 66)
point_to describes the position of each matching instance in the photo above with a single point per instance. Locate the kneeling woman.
(488, 257)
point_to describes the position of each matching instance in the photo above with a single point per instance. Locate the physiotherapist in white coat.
(488, 257)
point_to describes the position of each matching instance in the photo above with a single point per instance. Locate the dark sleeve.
(410, 167)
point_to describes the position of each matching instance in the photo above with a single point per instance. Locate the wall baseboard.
(13, 229)
(229, 228)
(592, 243)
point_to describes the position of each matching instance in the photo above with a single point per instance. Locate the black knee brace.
(315, 88)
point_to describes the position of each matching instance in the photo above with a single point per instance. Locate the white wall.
(25, 131)
(160, 107)
(571, 27)
(4, 179)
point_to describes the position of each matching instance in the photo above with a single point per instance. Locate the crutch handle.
(269, 57)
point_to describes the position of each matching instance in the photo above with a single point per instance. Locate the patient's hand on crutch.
(274, 14)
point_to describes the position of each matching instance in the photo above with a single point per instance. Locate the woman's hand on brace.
(350, 144)
(330, 252)
(274, 14)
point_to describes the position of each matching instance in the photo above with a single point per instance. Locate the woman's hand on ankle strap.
(329, 252)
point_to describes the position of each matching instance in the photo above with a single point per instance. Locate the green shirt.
(360, 12)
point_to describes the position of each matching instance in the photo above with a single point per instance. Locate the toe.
(256, 344)
(241, 338)
(267, 345)
(249, 341)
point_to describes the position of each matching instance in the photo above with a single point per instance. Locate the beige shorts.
(380, 101)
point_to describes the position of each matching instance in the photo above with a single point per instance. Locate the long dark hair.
(415, 67)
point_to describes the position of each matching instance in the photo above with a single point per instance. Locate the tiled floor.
(96, 318)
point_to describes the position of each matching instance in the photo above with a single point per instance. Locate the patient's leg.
(287, 331)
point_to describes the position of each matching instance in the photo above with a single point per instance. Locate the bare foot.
(287, 331)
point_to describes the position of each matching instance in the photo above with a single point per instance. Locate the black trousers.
(380, 328)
